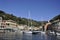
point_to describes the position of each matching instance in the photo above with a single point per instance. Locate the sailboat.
(28, 31)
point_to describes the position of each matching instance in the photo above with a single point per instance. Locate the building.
(56, 25)
(53, 26)
(21, 27)
(9, 25)
(47, 26)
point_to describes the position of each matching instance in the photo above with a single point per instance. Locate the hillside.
(55, 18)
(19, 20)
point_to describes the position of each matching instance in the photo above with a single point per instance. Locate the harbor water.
(21, 36)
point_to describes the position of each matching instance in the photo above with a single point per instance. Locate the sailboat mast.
(29, 18)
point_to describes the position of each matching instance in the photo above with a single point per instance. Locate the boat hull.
(27, 32)
(35, 32)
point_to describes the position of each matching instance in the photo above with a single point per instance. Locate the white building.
(21, 27)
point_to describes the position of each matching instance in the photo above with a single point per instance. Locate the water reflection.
(27, 37)
(20, 36)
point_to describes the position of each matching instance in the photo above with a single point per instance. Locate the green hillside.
(19, 20)
(55, 18)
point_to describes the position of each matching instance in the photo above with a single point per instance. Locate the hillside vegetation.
(19, 20)
(55, 18)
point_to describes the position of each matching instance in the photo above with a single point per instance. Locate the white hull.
(58, 33)
(42, 32)
(27, 32)
(37, 31)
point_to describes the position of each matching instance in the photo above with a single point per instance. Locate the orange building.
(47, 25)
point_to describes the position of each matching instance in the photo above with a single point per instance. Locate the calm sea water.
(20, 36)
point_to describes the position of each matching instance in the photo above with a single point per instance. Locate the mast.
(29, 21)
(28, 17)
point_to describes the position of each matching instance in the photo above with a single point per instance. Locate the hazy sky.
(39, 9)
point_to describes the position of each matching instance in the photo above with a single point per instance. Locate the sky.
(39, 9)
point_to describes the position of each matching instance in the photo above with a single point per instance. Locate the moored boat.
(35, 32)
